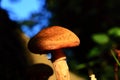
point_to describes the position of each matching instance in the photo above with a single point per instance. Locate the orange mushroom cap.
(52, 38)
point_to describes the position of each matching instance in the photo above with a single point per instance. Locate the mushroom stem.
(92, 76)
(60, 65)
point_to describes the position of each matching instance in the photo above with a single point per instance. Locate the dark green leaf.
(115, 31)
(94, 52)
(100, 38)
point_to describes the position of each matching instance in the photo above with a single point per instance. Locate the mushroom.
(53, 39)
(39, 72)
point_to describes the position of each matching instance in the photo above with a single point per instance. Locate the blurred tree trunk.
(12, 59)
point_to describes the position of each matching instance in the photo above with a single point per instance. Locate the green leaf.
(80, 66)
(100, 38)
(92, 63)
(115, 31)
(94, 52)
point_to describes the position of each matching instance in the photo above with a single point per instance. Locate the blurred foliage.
(100, 38)
(115, 31)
